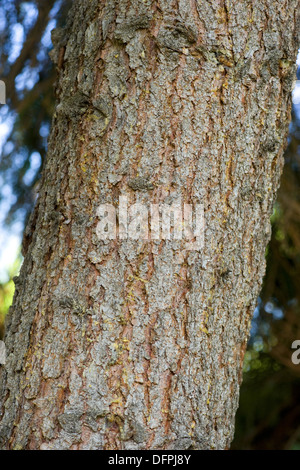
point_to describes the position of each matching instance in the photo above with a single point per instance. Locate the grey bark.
(137, 344)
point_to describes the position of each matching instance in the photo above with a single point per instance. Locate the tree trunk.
(139, 344)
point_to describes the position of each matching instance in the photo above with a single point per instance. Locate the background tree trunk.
(139, 344)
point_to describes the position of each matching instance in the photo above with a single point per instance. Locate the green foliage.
(7, 290)
(6, 296)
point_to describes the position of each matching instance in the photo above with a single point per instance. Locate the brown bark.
(139, 344)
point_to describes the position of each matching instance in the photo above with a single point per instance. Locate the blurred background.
(269, 411)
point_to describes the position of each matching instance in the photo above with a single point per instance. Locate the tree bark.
(137, 344)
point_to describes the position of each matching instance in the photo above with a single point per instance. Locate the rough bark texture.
(137, 344)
